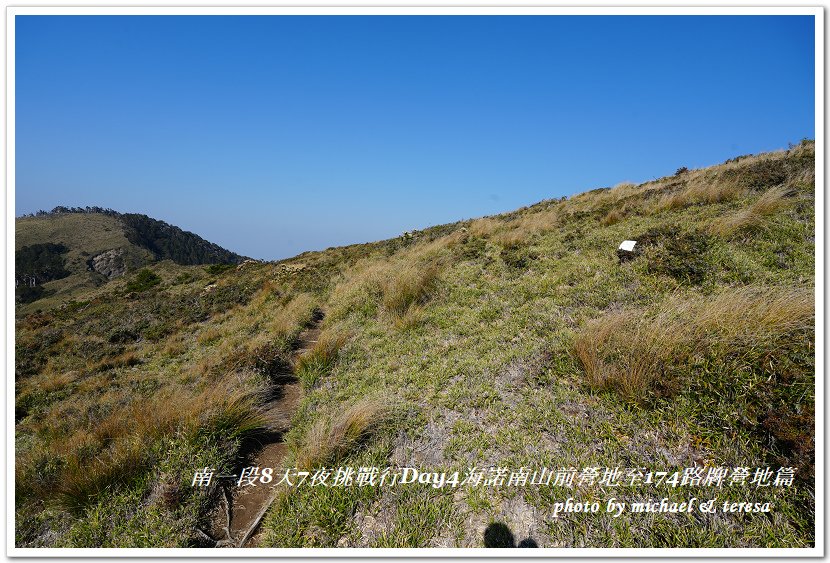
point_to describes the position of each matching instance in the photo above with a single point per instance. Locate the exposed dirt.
(236, 519)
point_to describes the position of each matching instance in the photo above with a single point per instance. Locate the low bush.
(142, 281)
(216, 269)
(676, 253)
(518, 256)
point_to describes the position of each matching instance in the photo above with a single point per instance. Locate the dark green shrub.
(26, 294)
(518, 257)
(675, 253)
(122, 336)
(758, 175)
(216, 269)
(143, 280)
(473, 248)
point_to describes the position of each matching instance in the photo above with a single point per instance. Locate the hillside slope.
(511, 349)
(89, 247)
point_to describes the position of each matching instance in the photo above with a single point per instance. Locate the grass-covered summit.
(519, 341)
(70, 249)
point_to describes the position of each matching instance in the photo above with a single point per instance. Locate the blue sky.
(271, 135)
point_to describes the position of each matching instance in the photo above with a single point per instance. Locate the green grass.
(519, 340)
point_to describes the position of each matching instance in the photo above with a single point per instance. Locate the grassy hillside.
(515, 341)
(100, 245)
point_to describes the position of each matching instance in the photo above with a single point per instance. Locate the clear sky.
(271, 135)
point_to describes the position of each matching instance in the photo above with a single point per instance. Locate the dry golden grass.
(259, 328)
(57, 381)
(330, 439)
(700, 191)
(754, 216)
(507, 233)
(485, 227)
(210, 335)
(612, 217)
(625, 352)
(508, 238)
(361, 285)
(408, 286)
(174, 346)
(269, 288)
(732, 180)
(126, 359)
(755, 314)
(412, 318)
(114, 448)
(539, 222)
(630, 351)
(284, 324)
(397, 285)
(608, 198)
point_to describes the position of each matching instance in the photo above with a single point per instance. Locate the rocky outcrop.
(109, 263)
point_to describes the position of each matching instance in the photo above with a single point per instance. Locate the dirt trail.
(236, 521)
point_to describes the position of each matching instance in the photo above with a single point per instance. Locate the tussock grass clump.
(756, 215)
(174, 346)
(127, 359)
(740, 177)
(637, 351)
(611, 218)
(746, 350)
(701, 191)
(485, 227)
(318, 361)
(505, 231)
(261, 336)
(535, 223)
(331, 439)
(119, 447)
(398, 287)
(409, 287)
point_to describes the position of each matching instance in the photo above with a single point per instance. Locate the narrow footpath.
(241, 508)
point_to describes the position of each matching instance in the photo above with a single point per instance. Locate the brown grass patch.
(535, 223)
(209, 335)
(396, 286)
(739, 177)
(612, 217)
(174, 346)
(127, 359)
(113, 450)
(756, 215)
(701, 191)
(632, 351)
(409, 286)
(485, 227)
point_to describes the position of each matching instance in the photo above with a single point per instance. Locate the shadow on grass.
(498, 534)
